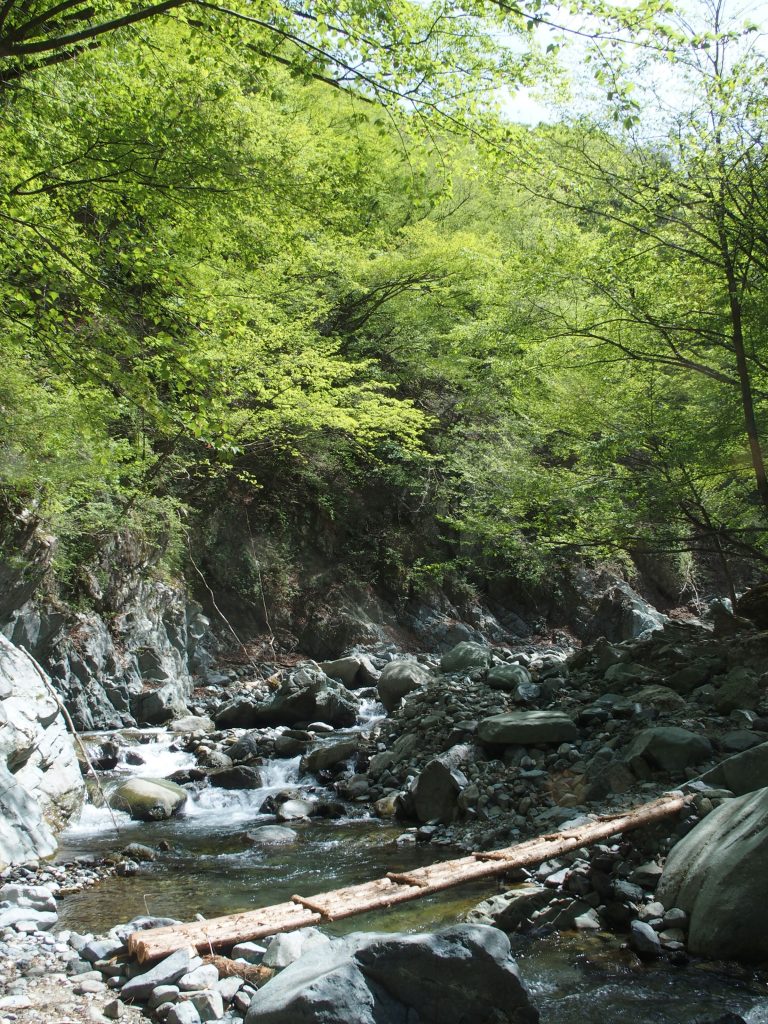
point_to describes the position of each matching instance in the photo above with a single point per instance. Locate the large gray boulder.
(466, 656)
(742, 773)
(307, 695)
(527, 728)
(718, 874)
(435, 792)
(462, 975)
(669, 748)
(399, 678)
(148, 799)
(41, 786)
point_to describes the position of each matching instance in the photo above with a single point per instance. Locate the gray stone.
(295, 810)
(435, 792)
(307, 695)
(230, 986)
(192, 724)
(167, 972)
(508, 677)
(355, 671)
(718, 874)
(466, 656)
(461, 974)
(148, 799)
(527, 728)
(287, 947)
(250, 951)
(327, 756)
(238, 777)
(209, 1005)
(273, 835)
(644, 940)
(742, 773)
(156, 707)
(399, 678)
(162, 994)
(183, 1013)
(200, 977)
(511, 911)
(669, 748)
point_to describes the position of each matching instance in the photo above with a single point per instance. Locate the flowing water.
(212, 867)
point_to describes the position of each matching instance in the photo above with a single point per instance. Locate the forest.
(309, 265)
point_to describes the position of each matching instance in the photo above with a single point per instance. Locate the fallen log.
(395, 888)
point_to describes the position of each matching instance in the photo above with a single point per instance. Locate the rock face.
(718, 874)
(399, 678)
(148, 799)
(460, 975)
(527, 728)
(40, 782)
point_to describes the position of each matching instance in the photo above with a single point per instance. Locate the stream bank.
(365, 807)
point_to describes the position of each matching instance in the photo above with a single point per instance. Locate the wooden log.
(394, 888)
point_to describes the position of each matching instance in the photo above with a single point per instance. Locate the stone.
(466, 656)
(157, 707)
(288, 947)
(740, 689)
(183, 1013)
(148, 799)
(41, 786)
(464, 973)
(306, 695)
(191, 724)
(742, 773)
(327, 756)
(644, 940)
(355, 671)
(167, 972)
(200, 977)
(718, 875)
(399, 678)
(435, 792)
(273, 835)
(209, 1005)
(250, 951)
(511, 911)
(229, 987)
(115, 1009)
(508, 677)
(240, 776)
(527, 728)
(669, 748)
(294, 810)
(739, 740)
(162, 994)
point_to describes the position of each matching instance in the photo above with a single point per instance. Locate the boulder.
(327, 756)
(273, 835)
(511, 911)
(742, 773)
(669, 749)
(527, 728)
(156, 707)
(307, 695)
(435, 792)
(399, 678)
(246, 747)
(148, 799)
(508, 677)
(240, 776)
(466, 656)
(753, 605)
(464, 973)
(41, 786)
(741, 689)
(355, 671)
(718, 874)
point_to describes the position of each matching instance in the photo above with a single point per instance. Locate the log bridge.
(394, 888)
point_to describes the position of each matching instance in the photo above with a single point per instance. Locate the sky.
(529, 106)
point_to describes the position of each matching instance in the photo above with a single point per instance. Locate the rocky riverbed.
(477, 748)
